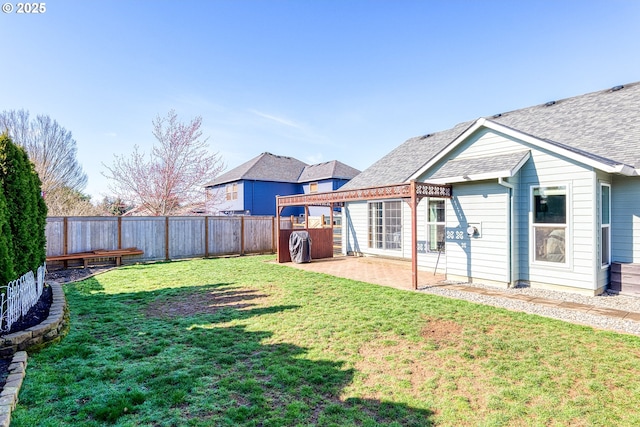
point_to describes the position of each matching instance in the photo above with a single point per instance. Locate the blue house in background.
(252, 187)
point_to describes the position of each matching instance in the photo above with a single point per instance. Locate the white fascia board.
(473, 177)
(482, 122)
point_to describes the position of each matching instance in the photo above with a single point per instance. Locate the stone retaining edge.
(9, 395)
(38, 336)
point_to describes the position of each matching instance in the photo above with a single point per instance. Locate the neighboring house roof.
(602, 127)
(265, 167)
(269, 167)
(327, 170)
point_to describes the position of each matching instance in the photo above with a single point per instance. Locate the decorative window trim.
(440, 246)
(232, 191)
(604, 247)
(561, 243)
(384, 225)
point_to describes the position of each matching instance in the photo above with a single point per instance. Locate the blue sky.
(317, 80)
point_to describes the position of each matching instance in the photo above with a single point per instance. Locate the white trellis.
(19, 296)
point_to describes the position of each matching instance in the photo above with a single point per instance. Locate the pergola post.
(278, 212)
(306, 217)
(414, 235)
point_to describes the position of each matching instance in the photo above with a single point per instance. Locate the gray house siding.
(542, 169)
(545, 169)
(625, 219)
(354, 228)
(484, 257)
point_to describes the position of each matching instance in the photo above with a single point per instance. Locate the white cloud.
(276, 119)
(314, 158)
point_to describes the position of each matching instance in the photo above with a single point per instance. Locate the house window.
(232, 192)
(550, 223)
(385, 225)
(313, 187)
(605, 224)
(435, 225)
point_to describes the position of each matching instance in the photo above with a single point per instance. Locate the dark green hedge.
(22, 212)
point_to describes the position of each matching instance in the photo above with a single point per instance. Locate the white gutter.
(511, 188)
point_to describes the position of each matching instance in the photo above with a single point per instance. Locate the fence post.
(206, 236)
(166, 238)
(119, 232)
(241, 235)
(65, 240)
(273, 234)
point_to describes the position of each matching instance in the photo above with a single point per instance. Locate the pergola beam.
(397, 191)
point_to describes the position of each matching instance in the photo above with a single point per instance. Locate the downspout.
(510, 186)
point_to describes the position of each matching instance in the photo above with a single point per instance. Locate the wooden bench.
(97, 254)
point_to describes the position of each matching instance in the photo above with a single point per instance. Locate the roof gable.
(327, 170)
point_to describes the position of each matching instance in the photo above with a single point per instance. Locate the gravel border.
(606, 300)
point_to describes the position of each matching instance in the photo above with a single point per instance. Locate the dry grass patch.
(210, 302)
(435, 370)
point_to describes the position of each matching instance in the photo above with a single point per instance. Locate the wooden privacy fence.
(163, 238)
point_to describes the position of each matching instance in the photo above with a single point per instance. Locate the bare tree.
(173, 175)
(49, 146)
(66, 202)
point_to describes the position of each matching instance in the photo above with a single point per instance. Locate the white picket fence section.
(19, 296)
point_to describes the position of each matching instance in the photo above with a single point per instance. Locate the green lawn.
(246, 342)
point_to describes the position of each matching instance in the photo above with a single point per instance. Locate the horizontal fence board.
(187, 237)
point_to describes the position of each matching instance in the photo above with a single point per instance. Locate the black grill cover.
(300, 247)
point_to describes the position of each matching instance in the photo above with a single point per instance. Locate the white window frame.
(377, 227)
(567, 226)
(436, 224)
(232, 191)
(604, 226)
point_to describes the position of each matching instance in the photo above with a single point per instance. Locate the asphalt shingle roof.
(402, 162)
(265, 167)
(603, 125)
(327, 170)
(270, 167)
(455, 168)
